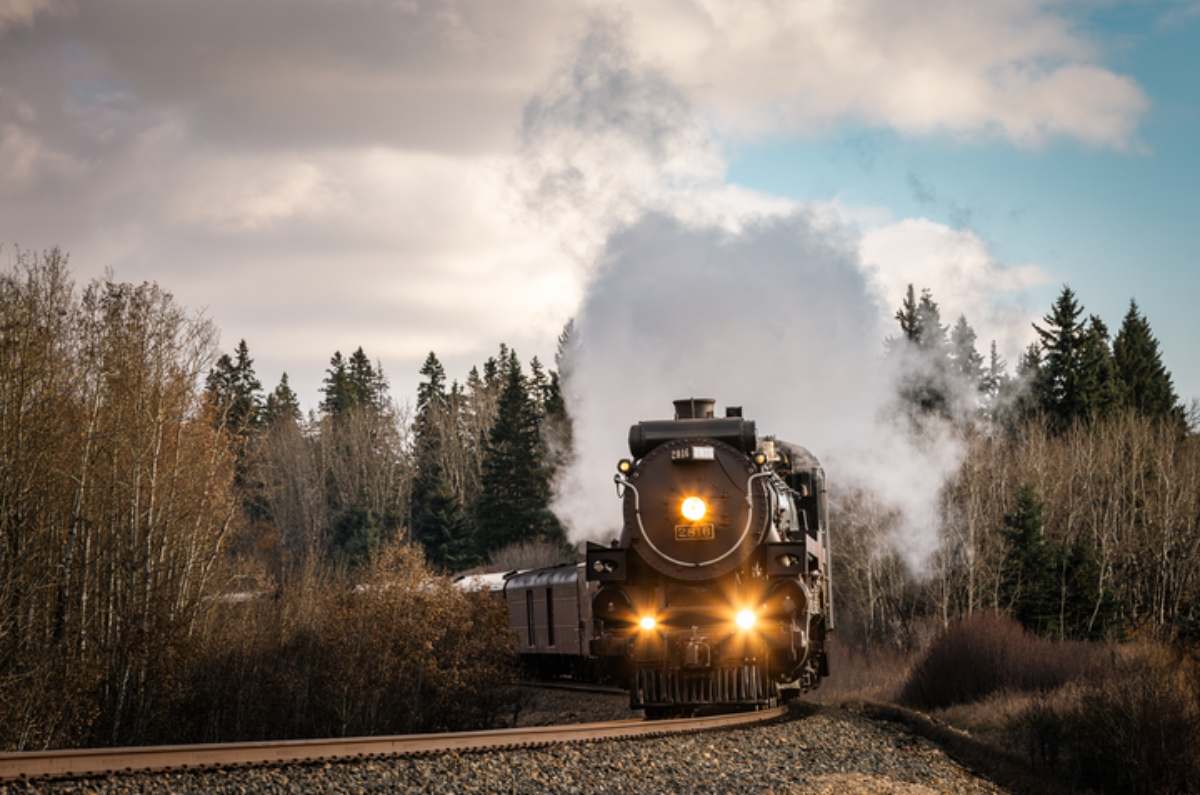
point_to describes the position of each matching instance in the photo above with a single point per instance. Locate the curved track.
(98, 761)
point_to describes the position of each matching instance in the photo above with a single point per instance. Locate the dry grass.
(1134, 728)
(990, 653)
(862, 673)
(1104, 718)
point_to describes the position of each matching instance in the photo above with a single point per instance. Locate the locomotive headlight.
(745, 619)
(647, 623)
(693, 509)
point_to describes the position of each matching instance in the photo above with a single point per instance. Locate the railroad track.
(100, 761)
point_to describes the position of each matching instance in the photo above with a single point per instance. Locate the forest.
(185, 552)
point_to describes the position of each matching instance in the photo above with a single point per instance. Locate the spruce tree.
(514, 504)
(967, 361)
(337, 397)
(1027, 581)
(234, 390)
(906, 315)
(366, 385)
(1102, 389)
(437, 518)
(1146, 384)
(924, 356)
(282, 404)
(1066, 390)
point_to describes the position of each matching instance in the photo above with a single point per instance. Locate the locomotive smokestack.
(695, 408)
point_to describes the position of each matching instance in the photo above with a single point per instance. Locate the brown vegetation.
(1106, 718)
(124, 617)
(988, 653)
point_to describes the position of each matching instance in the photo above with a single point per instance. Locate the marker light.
(745, 619)
(624, 465)
(647, 623)
(693, 509)
(760, 458)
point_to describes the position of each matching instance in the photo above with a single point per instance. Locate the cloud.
(416, 175)
(1017, 69)
(22, 12)
(964, 275)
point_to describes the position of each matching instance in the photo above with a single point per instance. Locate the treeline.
(183, 557)
(1077, 507)
(466, 475)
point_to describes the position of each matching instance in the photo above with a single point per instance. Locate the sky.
(409, 175)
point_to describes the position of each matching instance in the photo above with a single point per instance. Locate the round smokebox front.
(694, 522)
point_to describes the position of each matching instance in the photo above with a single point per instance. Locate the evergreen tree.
(1027, 582)
(1102, 388)
(437, 518)
(514, 504)
(967, 361)
(931, 334)
(924, 356)
(282, 404)
(1146, 384)
(906, 315)
(234, 390)
(336, 389)
(994, 380)
(367, 387)
(1066, 391)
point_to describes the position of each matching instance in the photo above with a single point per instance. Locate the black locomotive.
(718, 591)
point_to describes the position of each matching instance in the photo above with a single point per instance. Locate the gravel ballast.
(832, 751)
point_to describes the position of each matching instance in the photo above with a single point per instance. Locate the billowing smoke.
(776, 317)
(697, 288)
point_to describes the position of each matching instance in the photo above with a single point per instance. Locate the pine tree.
(1102, 389)
(1066, 391)
(234, 390)
(967, 361)
(906, 315)
(282, 404)
(336, 389)
(995, 375)
(514, 504)
(1145, 382)
(437, 518)
(366, 385)
(1027, 584)
(924, 356)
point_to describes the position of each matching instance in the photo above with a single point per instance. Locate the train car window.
(529, 614)
(549, 616)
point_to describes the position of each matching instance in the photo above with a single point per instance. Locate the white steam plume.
(777, 318)
(698, 288)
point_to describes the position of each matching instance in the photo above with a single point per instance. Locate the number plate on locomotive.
(695, 532)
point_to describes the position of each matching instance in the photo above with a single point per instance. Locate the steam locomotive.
(718, 592)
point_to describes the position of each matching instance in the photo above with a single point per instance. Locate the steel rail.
(99, 761)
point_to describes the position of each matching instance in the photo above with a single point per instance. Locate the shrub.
(988, 653)
(400, 651)
(1134, 728)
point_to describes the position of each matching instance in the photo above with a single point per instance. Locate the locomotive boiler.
(718, 592)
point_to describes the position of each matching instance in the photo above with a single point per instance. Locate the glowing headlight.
(693, 509)
(647, 623)
(745, 619)
(624, 465)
